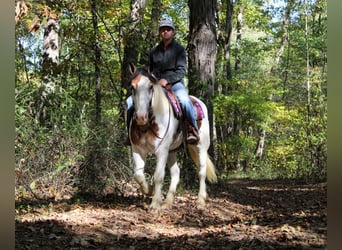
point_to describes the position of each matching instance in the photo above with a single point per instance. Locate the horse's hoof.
(166, 205)
(201, 204)
(155, 207)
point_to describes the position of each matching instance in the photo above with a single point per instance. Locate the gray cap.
(166, 23)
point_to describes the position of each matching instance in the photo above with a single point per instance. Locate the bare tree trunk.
(224, 40)
(236, 126)
(92, 171)
(228, 28)
(313, 150)
(238, 39)
(202, 51)
(51, 47)
(284, 36)
(97, 60)
(155, 15)
(132, 38)
(260, 146)
(308, 84)
(131, 41)
(49, 67)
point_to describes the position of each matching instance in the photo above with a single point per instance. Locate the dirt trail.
(240, 214)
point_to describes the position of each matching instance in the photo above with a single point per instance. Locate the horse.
(155, 129)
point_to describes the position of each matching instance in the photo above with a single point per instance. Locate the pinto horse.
(155, 129)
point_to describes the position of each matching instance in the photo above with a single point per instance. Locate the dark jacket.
(169, 63)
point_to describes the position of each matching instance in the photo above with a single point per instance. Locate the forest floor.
(240, 214)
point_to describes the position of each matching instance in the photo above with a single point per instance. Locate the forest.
(260, 67)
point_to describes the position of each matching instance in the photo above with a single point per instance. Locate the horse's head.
(142, 82)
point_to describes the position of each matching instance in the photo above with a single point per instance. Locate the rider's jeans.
(183, 98)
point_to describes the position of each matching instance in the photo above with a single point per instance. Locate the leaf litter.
(240, 214)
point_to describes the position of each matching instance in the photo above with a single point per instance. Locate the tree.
(202, 52)
(155, 16)
(80, 125)
(132, 42)
(224, 71)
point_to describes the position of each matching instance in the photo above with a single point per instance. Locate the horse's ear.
(132, 68)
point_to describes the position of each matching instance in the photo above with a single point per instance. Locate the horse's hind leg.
(202, 173)
(199, 156)
(139, 176)
(174, 172)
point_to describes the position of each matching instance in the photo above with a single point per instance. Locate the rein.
(167, 128)
(150, 122)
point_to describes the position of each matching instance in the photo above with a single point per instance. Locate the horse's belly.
(178, 139)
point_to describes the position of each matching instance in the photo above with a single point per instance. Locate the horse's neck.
(160, 103)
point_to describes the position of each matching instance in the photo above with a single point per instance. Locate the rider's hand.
(162, 82)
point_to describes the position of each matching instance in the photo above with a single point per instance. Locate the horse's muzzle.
(141, 119)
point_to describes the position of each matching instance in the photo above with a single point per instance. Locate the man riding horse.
(167, 61)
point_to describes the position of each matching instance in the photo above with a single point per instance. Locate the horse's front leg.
(158, 178)
(139, 176)
(174, 172)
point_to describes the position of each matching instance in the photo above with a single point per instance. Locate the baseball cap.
(166, 23)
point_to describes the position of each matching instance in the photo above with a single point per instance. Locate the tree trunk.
(224, 44)
(236, 126)
(131, 38)
(238, 39)
(284, 36)
(51, 47)
(97, 60)
(202, 52)
(49, 68)
(92, 171)
(228, 29)
(155, 16)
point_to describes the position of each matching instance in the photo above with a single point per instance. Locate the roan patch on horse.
(155, 129)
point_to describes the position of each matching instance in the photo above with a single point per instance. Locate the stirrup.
(192, 137)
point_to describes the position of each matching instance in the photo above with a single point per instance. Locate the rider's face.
(166, 32)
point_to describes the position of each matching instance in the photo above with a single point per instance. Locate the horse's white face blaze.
(142, 89)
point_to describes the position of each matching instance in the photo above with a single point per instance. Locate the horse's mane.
(159, 96)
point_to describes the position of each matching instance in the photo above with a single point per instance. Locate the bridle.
(153, 79)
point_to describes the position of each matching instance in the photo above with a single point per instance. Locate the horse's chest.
(148, 138)
(143, 136)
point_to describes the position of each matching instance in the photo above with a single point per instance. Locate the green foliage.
(249, 100)
(55, 155)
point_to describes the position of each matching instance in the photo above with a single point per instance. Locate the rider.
(167, 61)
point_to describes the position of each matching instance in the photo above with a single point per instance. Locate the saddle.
(177, 110)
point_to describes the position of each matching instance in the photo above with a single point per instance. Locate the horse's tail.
(210, 168)
(211, 171)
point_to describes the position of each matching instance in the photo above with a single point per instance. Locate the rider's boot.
(192, 137)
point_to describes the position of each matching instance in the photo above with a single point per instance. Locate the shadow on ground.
(240, 214)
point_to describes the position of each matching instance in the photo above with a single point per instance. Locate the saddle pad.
(176, 108)
(198, 109)
(174, 103)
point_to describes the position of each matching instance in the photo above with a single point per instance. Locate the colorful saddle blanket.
(177, 109)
